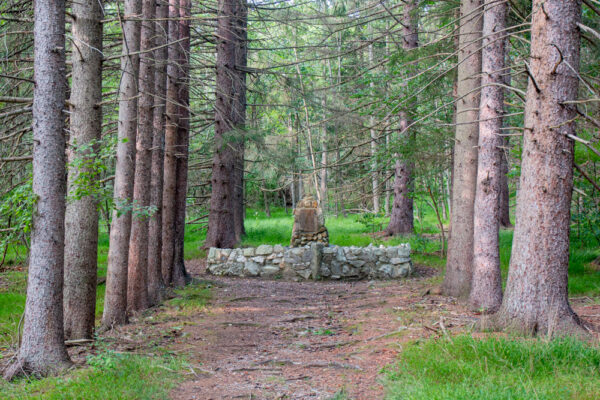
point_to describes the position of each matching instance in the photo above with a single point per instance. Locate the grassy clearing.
(495, 369)
(110, 376)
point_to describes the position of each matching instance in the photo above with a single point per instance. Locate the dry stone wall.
(314, 261)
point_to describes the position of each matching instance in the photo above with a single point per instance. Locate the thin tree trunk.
(180, 275)
(169, 209)
(266, 202)
(536, 299)
(137, 278)
(155, 278)
(504, 199)
(221, 218)
(401, 218)
(42, 348)
(373, 133)
(459, 265)
(81, 218)
(486, 288)
(115, 303)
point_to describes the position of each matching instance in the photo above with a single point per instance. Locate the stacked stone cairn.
(309, 224)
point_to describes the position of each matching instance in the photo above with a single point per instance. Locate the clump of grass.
(494, 369)
(193, 297)
(110, 375)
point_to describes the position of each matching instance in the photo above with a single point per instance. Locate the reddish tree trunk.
(401, 218)
(115, 303)
(42, 348)
(536, 299)
(81, 219)
(486, 289)
(169, 208)
(459, 265)
(137, 278)
(155, 278)
(222, 214)
(180, 275)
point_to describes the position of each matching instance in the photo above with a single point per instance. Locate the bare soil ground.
(261, 339)
(310, 340)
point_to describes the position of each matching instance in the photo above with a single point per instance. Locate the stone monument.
(309, 224)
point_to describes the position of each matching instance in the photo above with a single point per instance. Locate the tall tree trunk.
(459, 265)
(115, 303)
(222, 214)
(536, 299)
(137, 278)
(241, 49)
(42, 348)
(169, 208)
(180, 276)
(373, 145)
(81, 218)
(155, 278)
(401, 218)
(486, 288)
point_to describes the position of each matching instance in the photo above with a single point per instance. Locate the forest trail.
(263, 339)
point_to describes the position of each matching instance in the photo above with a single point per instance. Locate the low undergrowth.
(495, 369)
(110, 375)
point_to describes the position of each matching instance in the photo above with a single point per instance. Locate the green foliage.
(110, 375)
(495, 369)
(86, 165)
(16, 208)
(192, 297)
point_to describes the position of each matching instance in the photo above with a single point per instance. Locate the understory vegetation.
(495, 368)
(452, 368)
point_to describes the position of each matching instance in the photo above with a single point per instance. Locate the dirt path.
(261, 339)
(311, 340)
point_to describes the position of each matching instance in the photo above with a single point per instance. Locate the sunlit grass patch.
(495, 369)
(109, 375)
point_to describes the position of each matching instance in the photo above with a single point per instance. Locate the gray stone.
(357, 263)
(396, 261)
(386, 270)
(259, 259)
(264, 249)
(212, 253)
(305, 273)
(251, 268)
(278, 248)
(248, 252)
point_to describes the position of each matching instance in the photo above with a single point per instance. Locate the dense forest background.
(186, 123)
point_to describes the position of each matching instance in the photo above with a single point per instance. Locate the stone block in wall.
(264, 249)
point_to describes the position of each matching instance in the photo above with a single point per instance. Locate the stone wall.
(315, 261)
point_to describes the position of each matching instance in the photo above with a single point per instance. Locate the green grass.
(495, 369)
(110, 375)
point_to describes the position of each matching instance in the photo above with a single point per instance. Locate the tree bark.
(536, 299)
(169, 214)
(155, 278)
(180, 276)
(504, 199)
(115, 303)
(459, 265)
(486, 289)
(241, 49)
(401, 218)
(42, 348)
(137, 278)
(222, 215)
(81, 218)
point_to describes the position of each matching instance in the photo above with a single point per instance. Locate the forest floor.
(269, 339)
